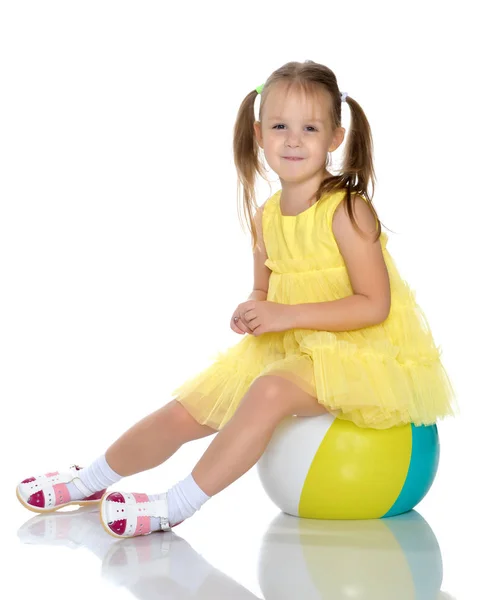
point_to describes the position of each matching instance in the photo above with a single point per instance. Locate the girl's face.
(294, 125)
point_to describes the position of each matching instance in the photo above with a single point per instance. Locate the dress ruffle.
(371, 386)
(213, 395)
(360, 376)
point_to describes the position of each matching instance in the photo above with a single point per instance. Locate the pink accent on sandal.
(62, 493)
(118, 526)
(51, 474)
(143, 525)
(37, 499)
(140, 497)
(116, 497)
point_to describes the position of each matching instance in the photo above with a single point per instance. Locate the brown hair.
(357, 168)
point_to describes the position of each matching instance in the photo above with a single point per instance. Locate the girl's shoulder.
(273, 199)
(268, 206)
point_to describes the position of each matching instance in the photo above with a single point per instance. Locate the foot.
(125, 515)
(49, 492)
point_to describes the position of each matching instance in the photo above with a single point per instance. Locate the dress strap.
(269, 208)
(333, 200)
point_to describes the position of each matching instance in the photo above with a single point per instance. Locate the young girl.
(331, 325)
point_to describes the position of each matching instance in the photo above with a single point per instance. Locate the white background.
(122, 256)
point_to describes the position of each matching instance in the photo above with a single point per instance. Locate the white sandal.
(125, 514)
(48, 492)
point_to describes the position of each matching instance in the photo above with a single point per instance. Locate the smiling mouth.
(292, 158)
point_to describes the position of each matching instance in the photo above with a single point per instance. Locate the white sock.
(184, 499)
(98, 476)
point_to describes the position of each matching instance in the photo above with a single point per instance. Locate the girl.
(331, 324)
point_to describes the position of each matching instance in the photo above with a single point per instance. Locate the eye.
(282, 125)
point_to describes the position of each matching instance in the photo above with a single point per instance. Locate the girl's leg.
(145, 445)
(242, 441)
(236, 448)
(155, 438)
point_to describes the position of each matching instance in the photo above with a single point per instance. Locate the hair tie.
(344, 95)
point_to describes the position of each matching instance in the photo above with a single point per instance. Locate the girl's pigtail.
(358, 161)
(246, 151)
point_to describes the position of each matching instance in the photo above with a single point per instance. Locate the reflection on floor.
(397, 558)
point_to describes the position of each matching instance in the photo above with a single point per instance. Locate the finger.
(247, 327)
(243, 326)
(237, 326)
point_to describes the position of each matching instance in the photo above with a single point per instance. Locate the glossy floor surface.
(240, 546)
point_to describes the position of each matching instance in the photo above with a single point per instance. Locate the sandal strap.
(159, 509)
(79, 483)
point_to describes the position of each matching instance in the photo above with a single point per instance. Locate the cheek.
(319, 150)
(271, 148)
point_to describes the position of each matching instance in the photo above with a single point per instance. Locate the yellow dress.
(378, 376)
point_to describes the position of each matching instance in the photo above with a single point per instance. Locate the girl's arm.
(258, 295)
(346, 314)
(261, 271)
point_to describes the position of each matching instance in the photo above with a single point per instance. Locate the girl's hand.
(262, 316)
(239, 326)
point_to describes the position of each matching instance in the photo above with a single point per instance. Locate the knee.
(179, 416)
(267, 397)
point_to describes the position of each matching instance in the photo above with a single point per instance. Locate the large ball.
(328, 468)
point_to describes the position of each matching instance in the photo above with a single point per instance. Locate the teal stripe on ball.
(422, 469)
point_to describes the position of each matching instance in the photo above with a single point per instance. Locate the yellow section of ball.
(356, 476)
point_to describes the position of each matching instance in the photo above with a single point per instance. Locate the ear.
(258, 134)
(338, 139)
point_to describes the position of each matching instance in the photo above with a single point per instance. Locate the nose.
(292, 140)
